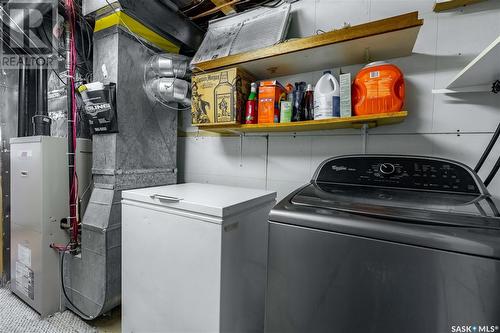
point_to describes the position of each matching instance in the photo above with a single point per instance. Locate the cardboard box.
(219, 97)
(270, 95)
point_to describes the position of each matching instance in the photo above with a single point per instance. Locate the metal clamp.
(165, 198)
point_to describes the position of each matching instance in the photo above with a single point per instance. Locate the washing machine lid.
(419, 207)
(419, 201)
(411, 188)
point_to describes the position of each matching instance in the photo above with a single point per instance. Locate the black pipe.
(41, 120)
(488, 149)
(22, 106)
(42, 107)
(31, 100)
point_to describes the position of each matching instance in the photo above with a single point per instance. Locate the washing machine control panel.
(401, 172)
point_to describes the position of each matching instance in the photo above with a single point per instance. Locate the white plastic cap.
(310, 87)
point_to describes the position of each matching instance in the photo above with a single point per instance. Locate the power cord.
(79, 312)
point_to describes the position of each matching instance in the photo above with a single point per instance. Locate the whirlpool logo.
(338, 168)
(475, 328)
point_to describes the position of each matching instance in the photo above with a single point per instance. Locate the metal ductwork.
(142, 154)
(161, 16)
(167, 79)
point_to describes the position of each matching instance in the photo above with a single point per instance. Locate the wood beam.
(226, 9)
(452, 4)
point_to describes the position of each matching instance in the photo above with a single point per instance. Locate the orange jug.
(378, 88)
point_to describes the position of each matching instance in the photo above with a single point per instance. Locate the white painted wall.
(446, 43)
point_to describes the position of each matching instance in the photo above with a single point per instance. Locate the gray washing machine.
(386, 244)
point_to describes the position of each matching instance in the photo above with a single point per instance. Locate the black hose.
(492, 173)
(63, 287)
(488, 149)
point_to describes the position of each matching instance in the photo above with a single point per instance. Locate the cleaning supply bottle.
(287, 105)
(289, 93)
(298, 101)
(327, 97)
(378, 88)
(277, 113)
(251, 106)
(309, 103)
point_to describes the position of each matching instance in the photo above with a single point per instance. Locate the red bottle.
(251, 114)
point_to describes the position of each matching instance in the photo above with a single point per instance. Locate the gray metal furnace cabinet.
(39, 200)
(194, 258)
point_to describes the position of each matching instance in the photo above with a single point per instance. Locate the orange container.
(378, 88)
(270, 93)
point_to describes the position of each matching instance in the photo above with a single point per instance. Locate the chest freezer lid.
(208, 199)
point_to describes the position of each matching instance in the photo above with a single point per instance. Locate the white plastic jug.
(327, 97)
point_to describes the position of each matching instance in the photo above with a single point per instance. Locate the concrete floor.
(109, 323)
(17, 317)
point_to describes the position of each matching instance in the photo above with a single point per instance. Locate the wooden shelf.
(312, 125)
(452, 4)
(378, 40)
(479, 74)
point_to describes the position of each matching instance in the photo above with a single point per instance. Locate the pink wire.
(70, 9)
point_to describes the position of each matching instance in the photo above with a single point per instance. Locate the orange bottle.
(378, 88)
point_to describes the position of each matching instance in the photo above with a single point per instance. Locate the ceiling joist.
(226, 9)
(452, 4)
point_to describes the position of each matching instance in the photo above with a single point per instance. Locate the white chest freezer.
(194, 258)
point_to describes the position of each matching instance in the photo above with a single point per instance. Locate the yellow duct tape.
(120, 18)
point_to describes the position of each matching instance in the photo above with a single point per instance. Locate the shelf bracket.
(242, 134)
(368, 57)
(364, 137)
(471, 89)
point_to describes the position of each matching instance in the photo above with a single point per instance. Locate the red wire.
(70, 9)
(60, 247)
